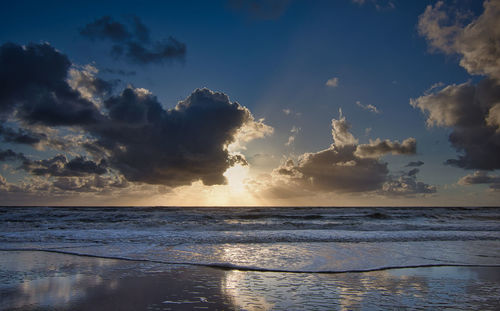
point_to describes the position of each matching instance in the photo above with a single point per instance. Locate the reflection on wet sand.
(425, 288)
(47, 283)
(36, 280)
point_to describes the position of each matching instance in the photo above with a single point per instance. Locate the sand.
(34, 280)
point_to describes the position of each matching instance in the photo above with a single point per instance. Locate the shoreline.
(224, 267)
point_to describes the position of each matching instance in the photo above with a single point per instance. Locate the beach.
(34, 280)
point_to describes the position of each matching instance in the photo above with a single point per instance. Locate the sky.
(250, 102)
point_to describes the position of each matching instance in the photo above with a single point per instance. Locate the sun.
(236, 176)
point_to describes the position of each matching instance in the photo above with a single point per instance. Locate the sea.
(281, 239)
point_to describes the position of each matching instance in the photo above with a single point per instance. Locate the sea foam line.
(229, 266)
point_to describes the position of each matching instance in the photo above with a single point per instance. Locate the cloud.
(167, 50)
(178, 146)
(136, 45)
(249, 131)
(335, 170)
(261, 9)
(106, 28)
(84, 80)
(338, 169)
(476, 43)
(368, 107)
(89, 183)
(290, 141)
(406, 185)
(21, 136)
(332, 82)
(470, 110)
(415, 164)
(290, 112)
(263, 160)
(33, 85)
(481, 177)
(120, 72)
(10, 155)
(340, 132)
(9, 188)
(379, 4)
(377, 148)
(60, 166)
(493, 118)
(434, 87)
(141, 32)
(129, 133)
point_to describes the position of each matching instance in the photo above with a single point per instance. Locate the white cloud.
(290, 141)
(368, 107)
(332, 82)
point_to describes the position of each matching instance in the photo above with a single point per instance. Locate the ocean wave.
(175, 237)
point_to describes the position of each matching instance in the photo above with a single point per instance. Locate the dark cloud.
(380, 5)
(470, 111)
(9, 155)
(413, 172)
(33, 83)
(336, 169)
(119, 72)
(135, 45)
(415, 164)
(60, 166)
(106, 28)
(339, 168)
(261, 9)
(94, 183)
(141, 32)
(170, 49)
(172, 147)
(481, 177)
(132, 132)
(378, 148)
(21, 136)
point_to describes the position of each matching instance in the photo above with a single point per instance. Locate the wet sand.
(33, 280)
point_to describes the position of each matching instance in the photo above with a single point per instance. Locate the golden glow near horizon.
(234, 193)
